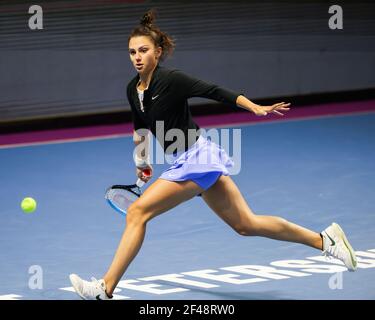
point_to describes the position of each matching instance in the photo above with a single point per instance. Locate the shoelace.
(92, 288)
(333, 251)
(97, 283)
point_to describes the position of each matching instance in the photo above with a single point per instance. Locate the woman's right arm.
(142, 141)
(141, 138)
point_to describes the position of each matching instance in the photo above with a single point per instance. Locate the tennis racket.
(120, 197)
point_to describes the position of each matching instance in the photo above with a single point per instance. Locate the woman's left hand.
(275, 108)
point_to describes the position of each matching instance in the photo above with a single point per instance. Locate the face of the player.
(143, 54)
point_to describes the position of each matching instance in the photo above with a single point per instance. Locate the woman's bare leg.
(225, 199)
(161, 196)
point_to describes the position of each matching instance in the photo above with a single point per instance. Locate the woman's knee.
(136, 214)
(247, 227)
(246, 231)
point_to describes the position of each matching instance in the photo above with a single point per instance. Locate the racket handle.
(139, 183)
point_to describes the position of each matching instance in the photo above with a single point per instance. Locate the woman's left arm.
(188, 86)
(276, 108)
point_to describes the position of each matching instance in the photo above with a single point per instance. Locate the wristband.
(141, 163)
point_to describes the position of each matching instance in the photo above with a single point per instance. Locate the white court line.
(10, 297)
(59, 141)
(115, 296)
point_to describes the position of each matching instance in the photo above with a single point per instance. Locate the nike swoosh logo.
(332, 241)
(153, 98)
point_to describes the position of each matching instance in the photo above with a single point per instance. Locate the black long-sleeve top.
(166, 100)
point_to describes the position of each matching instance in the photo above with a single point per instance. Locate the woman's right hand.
(141, 174)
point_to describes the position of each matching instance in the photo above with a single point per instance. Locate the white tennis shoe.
(336, 244)
(94, 290)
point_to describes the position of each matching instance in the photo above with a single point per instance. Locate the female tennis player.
(158, 99)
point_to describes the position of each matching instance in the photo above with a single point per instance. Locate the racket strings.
(121, 198)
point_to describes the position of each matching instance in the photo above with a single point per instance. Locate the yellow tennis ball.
(28, 205)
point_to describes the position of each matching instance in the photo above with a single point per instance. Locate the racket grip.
(139, 183)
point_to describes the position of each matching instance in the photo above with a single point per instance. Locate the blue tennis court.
(311, 172)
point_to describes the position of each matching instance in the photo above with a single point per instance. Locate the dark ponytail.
(148, 28)
(147, 19)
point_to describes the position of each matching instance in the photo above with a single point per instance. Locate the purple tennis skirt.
(204, 162)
